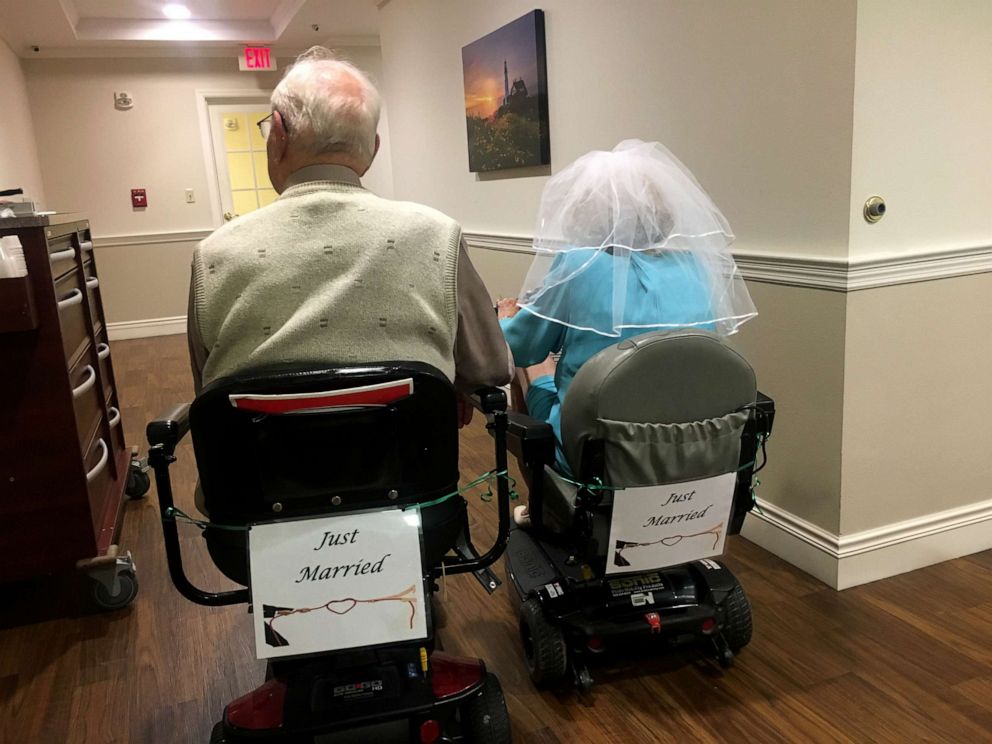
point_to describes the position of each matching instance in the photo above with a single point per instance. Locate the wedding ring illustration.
(621, 545)
(336, 606)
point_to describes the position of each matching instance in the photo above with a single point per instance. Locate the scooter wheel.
(484, 717)
(544, 646)
(217, 735)
(737, 619)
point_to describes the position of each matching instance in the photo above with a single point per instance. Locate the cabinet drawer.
(85, 398)
(99, 476)
(72, 316)
(62, 255)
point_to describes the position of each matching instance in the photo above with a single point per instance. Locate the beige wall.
(791, 114)
(797, 348)
(93, 155)
(144, 278)
(756, 98)
(18, 152)
(923, 125)
(917, 402)
(502, 271)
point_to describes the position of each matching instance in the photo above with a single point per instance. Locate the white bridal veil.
(629, 239)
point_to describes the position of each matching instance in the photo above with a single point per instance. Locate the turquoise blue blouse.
(659, 290)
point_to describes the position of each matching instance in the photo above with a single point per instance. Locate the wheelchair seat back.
(292, 441)
(663, 377)
(663, 407)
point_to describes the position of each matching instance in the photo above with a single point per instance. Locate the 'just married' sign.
(659, 526)
(337, 582)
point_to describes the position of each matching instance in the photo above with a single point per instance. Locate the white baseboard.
(146, 328)
(843, 561)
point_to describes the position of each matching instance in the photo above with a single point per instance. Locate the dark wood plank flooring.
(902, 660)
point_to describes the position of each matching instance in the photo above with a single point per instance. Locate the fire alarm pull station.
(138, 198)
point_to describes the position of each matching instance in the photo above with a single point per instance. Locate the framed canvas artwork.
(506, 97)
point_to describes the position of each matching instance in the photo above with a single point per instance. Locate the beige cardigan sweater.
(332, 272)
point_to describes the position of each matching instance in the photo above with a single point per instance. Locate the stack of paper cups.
(12, 257)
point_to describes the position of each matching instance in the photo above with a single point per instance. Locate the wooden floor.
(902, 660)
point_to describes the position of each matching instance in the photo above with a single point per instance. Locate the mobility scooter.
(661, 433)
(309, 453)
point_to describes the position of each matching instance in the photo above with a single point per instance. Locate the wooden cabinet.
(63, 459)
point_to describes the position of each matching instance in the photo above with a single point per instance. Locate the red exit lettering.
(257, 58)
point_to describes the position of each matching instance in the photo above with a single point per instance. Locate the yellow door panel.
(235, 128)
(239, 170)
(257, 143)
(266, 197)
(261, 170)
(244, 201)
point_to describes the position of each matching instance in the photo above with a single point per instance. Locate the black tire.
(484, 717)
(138, 483)
(127, 591)
(217, 735)
(545, 650)
(737, 619)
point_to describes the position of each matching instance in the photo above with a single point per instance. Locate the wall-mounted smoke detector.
(123, 101)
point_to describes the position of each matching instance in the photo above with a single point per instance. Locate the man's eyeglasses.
(265, 125)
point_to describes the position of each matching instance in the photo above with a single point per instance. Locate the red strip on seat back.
(381, 394)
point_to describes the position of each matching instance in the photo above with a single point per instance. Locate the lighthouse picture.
(506, 97)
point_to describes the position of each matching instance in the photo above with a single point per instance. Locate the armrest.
(530, 440)
(169, 428)
(489, 399)
(765, 414)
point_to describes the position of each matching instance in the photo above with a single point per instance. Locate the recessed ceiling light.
(176, 12)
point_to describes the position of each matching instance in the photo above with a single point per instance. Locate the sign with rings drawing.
(659, 526)
(337, 582)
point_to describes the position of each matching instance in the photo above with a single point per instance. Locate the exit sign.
(256, 58)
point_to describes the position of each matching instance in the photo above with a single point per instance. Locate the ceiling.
(88, 28)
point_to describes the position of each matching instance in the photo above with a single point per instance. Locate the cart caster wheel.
(545, 649)
(105, 598)
(484, 717)
(217, 735)
(726, 658)
(138, 482)
(583, 680)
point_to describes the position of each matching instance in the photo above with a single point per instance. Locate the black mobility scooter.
(661, 433)
(282, 448)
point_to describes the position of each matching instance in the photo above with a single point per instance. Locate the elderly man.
(330, 271)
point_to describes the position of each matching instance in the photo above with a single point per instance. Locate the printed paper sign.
(337, 582)
(658, 526)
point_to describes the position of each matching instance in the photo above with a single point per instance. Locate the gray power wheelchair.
(641, 420)
(300, 442)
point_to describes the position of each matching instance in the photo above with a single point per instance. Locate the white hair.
(329, 105)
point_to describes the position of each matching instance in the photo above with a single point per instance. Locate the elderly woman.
(627, 242)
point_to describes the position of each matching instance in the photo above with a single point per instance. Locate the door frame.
(204, 99)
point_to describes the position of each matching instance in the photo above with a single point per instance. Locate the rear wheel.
(217, 735)
(737, 619)
(484, 717)
(544, 645)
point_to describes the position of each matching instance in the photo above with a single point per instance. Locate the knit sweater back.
(328, 273)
